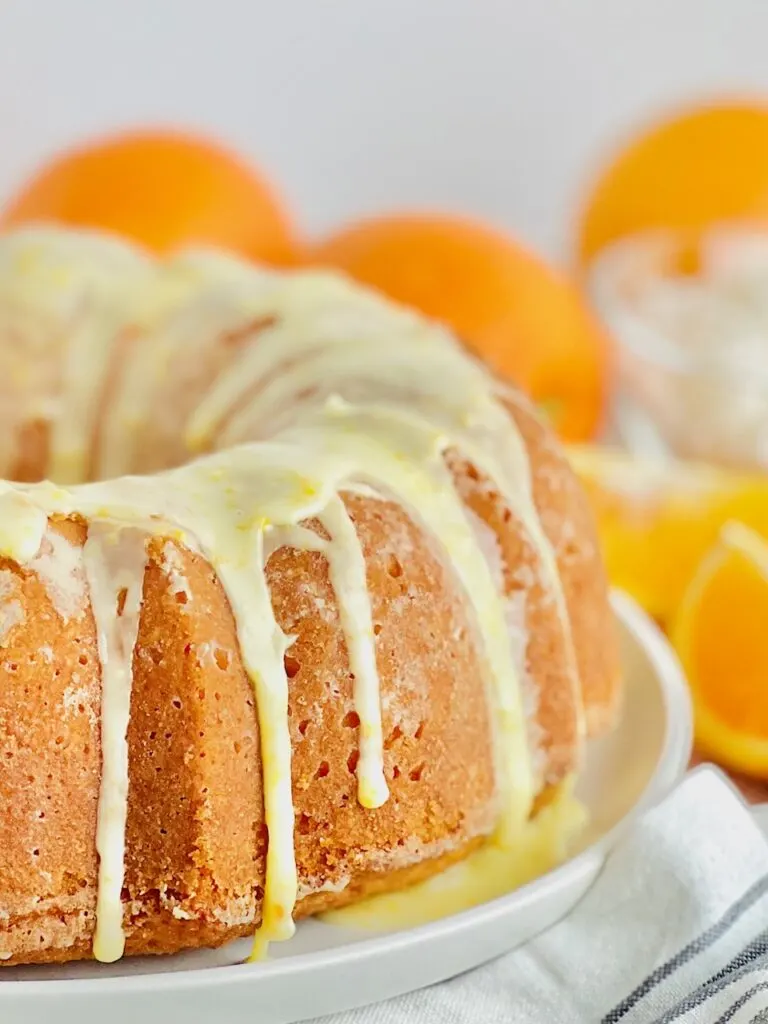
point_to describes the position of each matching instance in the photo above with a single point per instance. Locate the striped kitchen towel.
(675, 930)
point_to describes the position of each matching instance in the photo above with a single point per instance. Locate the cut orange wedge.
(721, 635)
(656, 521)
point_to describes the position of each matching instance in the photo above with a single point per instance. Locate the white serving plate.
(326, 968)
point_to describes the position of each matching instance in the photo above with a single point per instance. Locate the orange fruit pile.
(521, 316)
(720, 635)
(160, 189)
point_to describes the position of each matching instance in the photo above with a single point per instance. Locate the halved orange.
(721, 635)
(657, 520)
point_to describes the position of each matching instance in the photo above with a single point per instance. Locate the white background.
(497, 107)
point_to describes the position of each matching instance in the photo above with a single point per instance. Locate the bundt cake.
(349, 624)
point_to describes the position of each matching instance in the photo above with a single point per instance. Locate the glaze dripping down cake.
(307, 607)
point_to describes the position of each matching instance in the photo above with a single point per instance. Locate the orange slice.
(721, 635)
(656, 521)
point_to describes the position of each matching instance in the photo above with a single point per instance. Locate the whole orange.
(162, 189)
(706, 164)
(525, 319)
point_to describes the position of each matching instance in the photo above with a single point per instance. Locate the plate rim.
(670, 767)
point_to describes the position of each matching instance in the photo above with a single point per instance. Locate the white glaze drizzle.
(346, 563)
(63, 296)
(263, 648)
(86, 362)
(115, 558)
(190, 302)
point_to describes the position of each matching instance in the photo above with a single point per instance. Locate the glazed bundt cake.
(348, 625)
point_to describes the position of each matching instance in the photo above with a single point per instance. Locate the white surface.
(760, 813)
(325, 968)
(496, 107)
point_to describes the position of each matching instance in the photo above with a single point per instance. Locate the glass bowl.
(692, 338)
